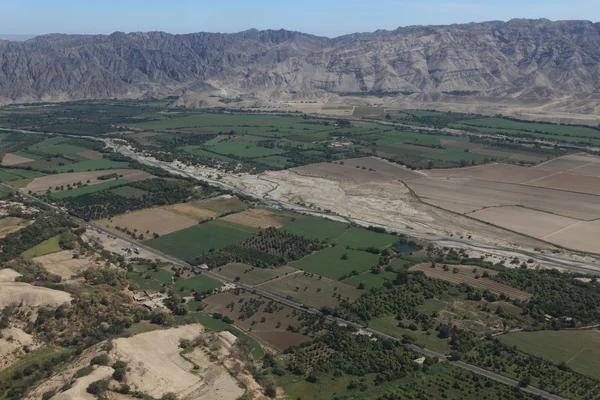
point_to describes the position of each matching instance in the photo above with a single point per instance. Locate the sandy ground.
(114, 244)
(8, 275)
(389, 205)
(42, 184)
(257, 218)
(64, 265)
(581, 236)
(190, 210)
(531, 222)
(12, 224)
(78, 391)
(11, 345)
(156, 220)
(29, 295)
(13, 159)
(155, 366)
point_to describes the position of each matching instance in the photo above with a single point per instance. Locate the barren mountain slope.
(523, 59)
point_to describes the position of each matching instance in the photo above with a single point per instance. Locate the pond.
(404, 247)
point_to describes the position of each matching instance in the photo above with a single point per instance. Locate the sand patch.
(13, 159)
(11, 345)
(257, 218)
(78, 391)
(150, 220)
(155, 366)
(191, 211)
(64, 265)
(8, 275)
(29, 295)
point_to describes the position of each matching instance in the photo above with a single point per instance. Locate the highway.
(429, 353)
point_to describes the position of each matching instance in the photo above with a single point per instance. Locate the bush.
(102, 359)
(98, 387)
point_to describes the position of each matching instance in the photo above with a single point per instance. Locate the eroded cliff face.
(532, 59)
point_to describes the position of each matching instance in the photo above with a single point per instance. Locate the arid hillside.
(520, 61)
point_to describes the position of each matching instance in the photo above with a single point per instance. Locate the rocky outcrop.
(533, 59)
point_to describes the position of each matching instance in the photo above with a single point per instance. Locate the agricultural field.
(472, 276)
(149, 221)
(389, 326)
(89, 189)
(192, 242)
(42, 184)
(198, 283)
(259, 218)
(251, 275)
(370, 280)
(221, 205)
(91, 165)
(578, 349)
(357, 238)
(311, 289)
(330, 262)
(249, 315)
(317, 228)
(46, 247)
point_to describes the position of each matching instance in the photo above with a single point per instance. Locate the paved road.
(480, 371)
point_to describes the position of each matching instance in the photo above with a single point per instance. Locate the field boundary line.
(528, 183)
(563, 229)
(280, 277)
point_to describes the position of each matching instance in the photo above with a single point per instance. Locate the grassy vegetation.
(199, 283)
(580, 349)
(357, 238)
(143, 282)
(129, 192)
(371, 280)
(91, 165)
(191, 242)
(48, 246)
(241, 149)
(89, 189)
(315, 228)
(329, 262)
(238, 227)
(162, 275)
(251, 275)
(429, 339)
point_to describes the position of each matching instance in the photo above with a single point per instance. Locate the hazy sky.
(320, 17)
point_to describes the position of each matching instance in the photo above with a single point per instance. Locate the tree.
(98, 387)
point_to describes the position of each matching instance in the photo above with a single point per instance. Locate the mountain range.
(520, 60)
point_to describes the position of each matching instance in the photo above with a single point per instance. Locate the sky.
(320, 17)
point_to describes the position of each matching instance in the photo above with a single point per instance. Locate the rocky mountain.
(519, 59)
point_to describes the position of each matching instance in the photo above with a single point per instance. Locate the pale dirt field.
(11, 350)
(349, 172)
(387, 205)
(13, 159)
(64, 265)
(570, 162)
(155, 366)
(588, 169)
(12, 224)
(571, 182)
(8, 275)
(258, 218)
(583, 236)
(156, 220)
(78, 391)
(392, 170)
(91, 154)
(190, 210)
(42, 184)
(113, 244)
(465, 195)
(491, 172)
(29, 295)
(530, 222)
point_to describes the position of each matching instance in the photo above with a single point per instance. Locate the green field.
(318, 228)
(162, 275)
(242, 149)
(46, 247)
(91, 165)
(251, 275)
(89, 189)
(328, 262)
(389, 325)
(53, 141)
(12, 175)
(199, 283)
(191, 242)
(534, 127)
(579, 349)
(242, 122)
(238, 227)
(357, 238)
(312, 290)
(61, 149)
(370, 279)
(143, 283)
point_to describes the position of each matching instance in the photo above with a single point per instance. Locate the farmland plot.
(335, 262)
(152, 220)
